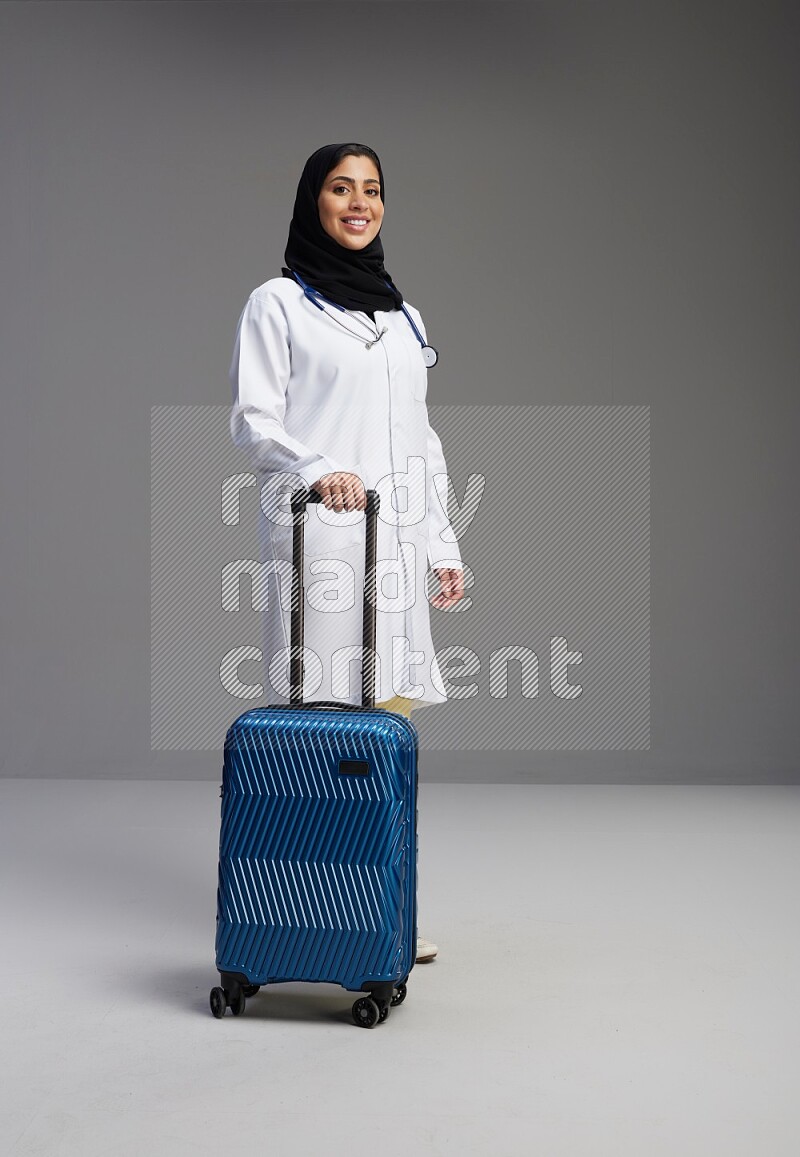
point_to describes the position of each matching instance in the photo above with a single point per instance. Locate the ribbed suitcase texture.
(318, 857)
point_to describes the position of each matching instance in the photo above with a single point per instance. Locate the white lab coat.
(308, 399)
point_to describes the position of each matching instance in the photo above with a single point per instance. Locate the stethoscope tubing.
(430, 356)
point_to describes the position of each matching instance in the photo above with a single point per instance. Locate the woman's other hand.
(342, 491)
(451, 583)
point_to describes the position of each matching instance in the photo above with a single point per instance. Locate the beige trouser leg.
(399, 704)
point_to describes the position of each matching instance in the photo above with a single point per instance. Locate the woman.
(329, 381)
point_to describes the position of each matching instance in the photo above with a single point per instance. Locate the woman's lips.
(357, 224)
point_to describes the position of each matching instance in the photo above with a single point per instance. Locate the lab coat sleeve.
(259, 375)
(440, 551)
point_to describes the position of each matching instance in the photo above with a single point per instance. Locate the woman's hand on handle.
(341, 491)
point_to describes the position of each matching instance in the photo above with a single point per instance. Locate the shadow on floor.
(187, 990)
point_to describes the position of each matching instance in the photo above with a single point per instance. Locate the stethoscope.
(430, 356)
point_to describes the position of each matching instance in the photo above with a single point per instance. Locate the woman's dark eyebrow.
(350, 180)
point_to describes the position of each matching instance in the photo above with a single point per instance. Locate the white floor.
(619, 974)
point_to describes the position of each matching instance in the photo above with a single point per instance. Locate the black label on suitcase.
(353, 767)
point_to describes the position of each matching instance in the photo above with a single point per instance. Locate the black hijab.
(352, 278)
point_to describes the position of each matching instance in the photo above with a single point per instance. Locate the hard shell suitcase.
(318, 841)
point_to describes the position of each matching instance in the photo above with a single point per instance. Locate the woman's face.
(349, 203)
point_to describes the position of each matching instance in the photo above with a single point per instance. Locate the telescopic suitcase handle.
(298, 505)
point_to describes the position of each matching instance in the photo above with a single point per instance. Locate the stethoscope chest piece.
(430, 356)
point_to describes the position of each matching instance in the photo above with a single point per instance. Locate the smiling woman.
(329, 386)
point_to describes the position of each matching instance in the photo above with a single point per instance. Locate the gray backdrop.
(593, 204)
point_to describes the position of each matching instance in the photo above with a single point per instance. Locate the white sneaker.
(426, 950)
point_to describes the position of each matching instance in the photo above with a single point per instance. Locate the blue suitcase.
(318, 841)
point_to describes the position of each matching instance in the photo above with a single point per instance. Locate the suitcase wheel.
(399, 994)
(218, 1001)
(366, 1012)
(237, 1002)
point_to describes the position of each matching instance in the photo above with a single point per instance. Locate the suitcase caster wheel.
(366, 1012)
(238, 1003)
(399, 994)
(218, 1002)
(383, 1010)
(251, 989)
